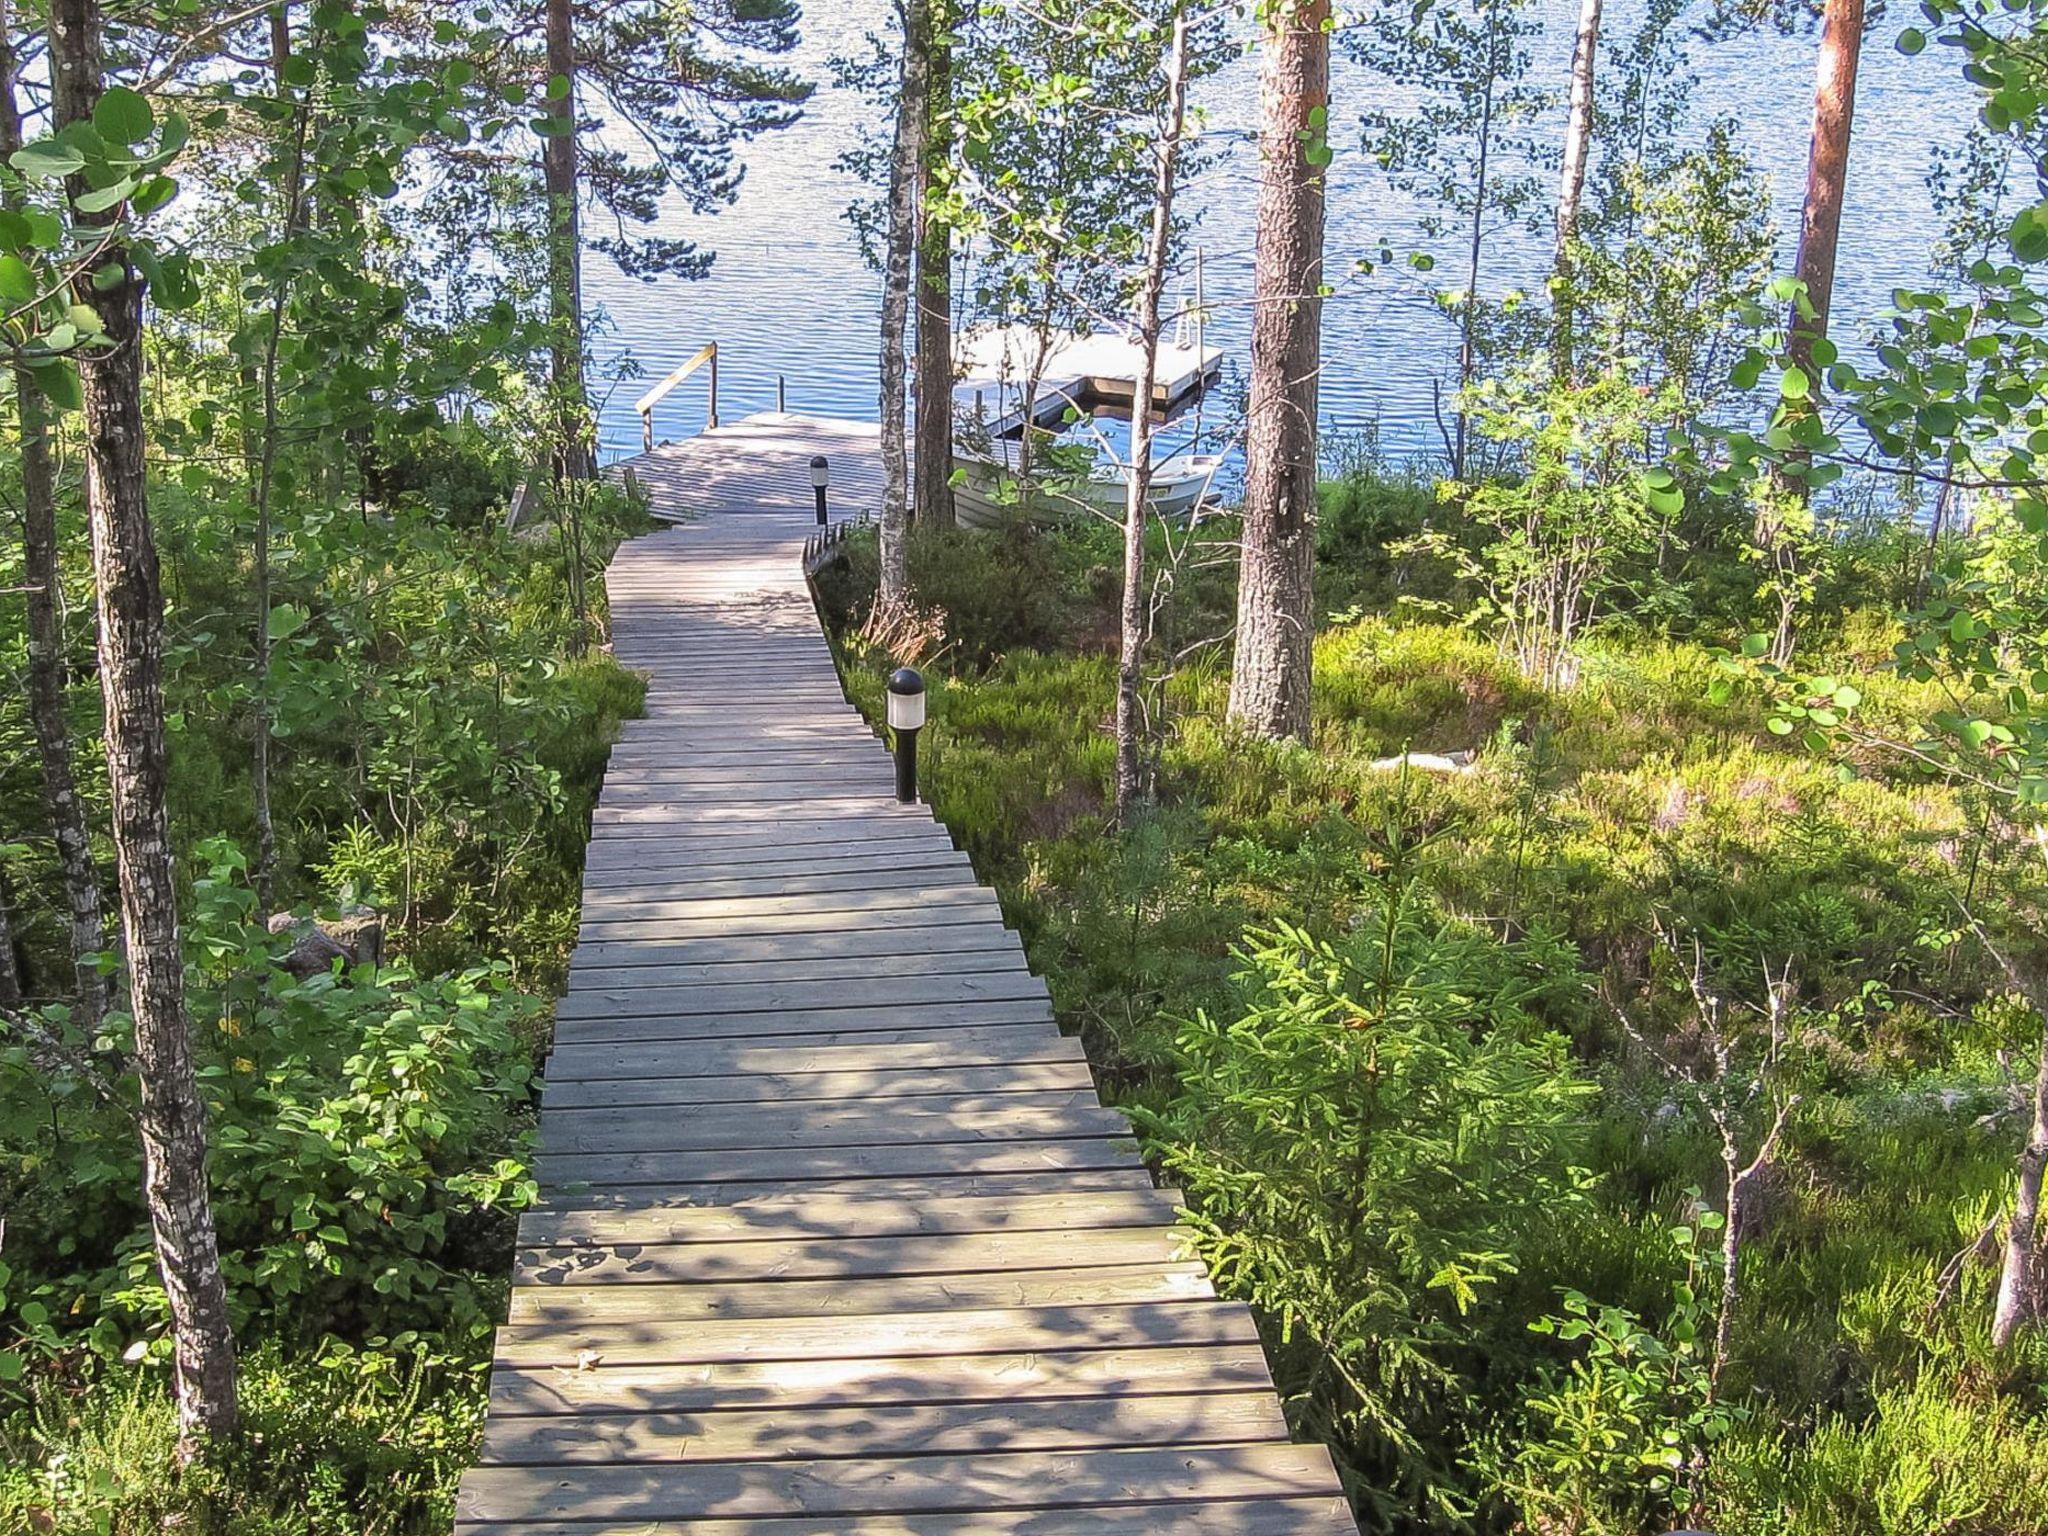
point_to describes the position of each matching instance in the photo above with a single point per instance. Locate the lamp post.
(821, 476)
(906, 719)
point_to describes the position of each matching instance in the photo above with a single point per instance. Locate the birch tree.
(170, 1114)
(559, 176)
(1272, 663)
(1132, 618)
(931, 456)
(44, 582)
(906, 168)
(1578, 142)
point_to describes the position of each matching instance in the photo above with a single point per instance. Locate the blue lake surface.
(790, 295)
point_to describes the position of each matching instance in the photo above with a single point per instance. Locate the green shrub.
(337, 1445)
(1363, 1140)
(368, 1148)
(1930, 1458)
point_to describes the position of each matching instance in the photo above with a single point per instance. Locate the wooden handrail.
(708, 353)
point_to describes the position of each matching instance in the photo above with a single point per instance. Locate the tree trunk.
(1578, 139)
(906, 162)
(2019, 1287)
(10, 965)
(932, 452)
(170, 1114)
(1468, 349)
(1827, 172)
(1731, 1273)
(42, 575)
(1130, 776)
(565, 248)
(1269, 684)
(266, 482)
(1820, 227)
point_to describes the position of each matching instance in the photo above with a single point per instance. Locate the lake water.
(789, 293)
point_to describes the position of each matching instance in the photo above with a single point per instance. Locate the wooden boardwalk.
(837, 1236)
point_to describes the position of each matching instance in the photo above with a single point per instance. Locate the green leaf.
(123, 116)
(17, 281)
(1754, 646)
(284, 621)
(100, 199)
(1912, 41)
(47, 160)
(2027, 235)
(58, 381)
(1794, 384)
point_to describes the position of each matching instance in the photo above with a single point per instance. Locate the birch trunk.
(2019, 1287)
(170, 1115)
(1271, 670)
(1578, 140)
(906, 161)
(559, 174)
(932, 430)
(1130, 776)
(42, 574)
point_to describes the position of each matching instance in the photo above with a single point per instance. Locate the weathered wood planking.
(836, 1234)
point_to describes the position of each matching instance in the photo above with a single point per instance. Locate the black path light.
(906, 719)
(821, 477)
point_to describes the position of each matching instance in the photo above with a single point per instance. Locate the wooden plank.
(1006, 1480)
(1114, 1371)
(584, 1197)
(901, 1429)
(776, 1219)
(740, 1127)
(650, 964)
(838, 944)
(830, 1256)
(793, 841)
(712, 876)
(652, 991)
(670, 900)
(602, 1020)
(867, 1051)
(1326, 1516)
(793, 927)
(819, 1087)
(1103, 1285)
(795, 930)
(797, 1163)
(951, 871)
(753, 1128)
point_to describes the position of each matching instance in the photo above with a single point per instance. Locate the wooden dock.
(837, 1236)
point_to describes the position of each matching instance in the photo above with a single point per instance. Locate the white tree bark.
(906, 169)
(171, 1116)
(1578, 142)
(1130, 776)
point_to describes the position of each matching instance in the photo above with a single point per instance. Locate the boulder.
(357, 937)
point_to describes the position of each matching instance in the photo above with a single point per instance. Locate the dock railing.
(708, 353)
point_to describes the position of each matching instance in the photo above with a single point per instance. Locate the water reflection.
(789, 294)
